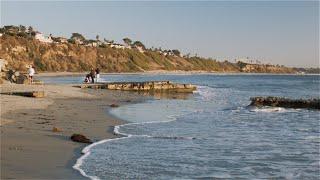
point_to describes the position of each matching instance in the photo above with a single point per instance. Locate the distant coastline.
(65, 74)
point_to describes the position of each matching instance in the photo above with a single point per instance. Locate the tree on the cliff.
(30, 29)
(176, 52)
(77, 36)
(139, 44)
(22, 28)
(127, 41)
(97, 37)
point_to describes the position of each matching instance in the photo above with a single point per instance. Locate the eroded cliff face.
(258, 68)
(21, 52)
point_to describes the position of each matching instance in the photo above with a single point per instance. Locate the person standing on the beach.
(97, 74)
(92, 75)
(31, 73)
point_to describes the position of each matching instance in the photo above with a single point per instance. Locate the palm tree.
(30, 30)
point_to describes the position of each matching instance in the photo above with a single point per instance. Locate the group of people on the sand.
(13, 75)
(93, 76)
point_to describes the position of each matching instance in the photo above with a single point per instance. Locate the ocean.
(211, 133)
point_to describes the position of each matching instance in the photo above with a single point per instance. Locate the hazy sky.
(275, 32)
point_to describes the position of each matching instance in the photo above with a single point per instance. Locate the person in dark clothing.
(87, 79)
(11, 75)
(92, 75)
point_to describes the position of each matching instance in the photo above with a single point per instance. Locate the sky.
(285, 33)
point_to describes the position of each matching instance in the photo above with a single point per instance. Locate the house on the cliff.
(166, 52)
(91, 43)
(42, 38)
(117, 46)
(59, 39)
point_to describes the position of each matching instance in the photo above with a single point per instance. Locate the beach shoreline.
(26, 128)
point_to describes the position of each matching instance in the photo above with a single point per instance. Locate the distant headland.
(22, 46)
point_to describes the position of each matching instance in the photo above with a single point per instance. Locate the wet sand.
(29, 147)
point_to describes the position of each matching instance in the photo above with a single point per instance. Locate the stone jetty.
(161, 86)
(285, 102)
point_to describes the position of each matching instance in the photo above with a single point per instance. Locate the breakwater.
(161, 86)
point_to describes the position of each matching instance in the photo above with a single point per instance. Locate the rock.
(55, 129)
(166, 86)
(80, 138)
(35, 94)
(114, 105)
(285, 102)
(22, 79)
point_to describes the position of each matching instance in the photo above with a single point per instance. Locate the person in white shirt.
(31, 73)
(97, 74)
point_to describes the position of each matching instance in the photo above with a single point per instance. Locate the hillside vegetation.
(23, 50)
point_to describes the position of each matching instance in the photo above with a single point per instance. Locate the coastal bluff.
(162, 86)
(285, 102)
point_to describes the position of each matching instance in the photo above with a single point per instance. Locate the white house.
(42, 38)
(117, 46)
(92, 44)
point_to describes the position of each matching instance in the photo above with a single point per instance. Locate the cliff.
(21, 51)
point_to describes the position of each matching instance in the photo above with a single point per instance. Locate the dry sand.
(29, 147)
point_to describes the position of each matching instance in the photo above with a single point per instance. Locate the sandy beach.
(29, 147)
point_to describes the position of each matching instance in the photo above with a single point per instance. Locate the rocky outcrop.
(80, 138)
(144, 86)
(285, 102)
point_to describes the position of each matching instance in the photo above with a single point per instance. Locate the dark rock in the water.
(285, 102)
(80, 138)
(114, 105)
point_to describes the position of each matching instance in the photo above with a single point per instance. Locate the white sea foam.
(86, 152)
(268, 109)
(315, 139)
(117, 128)
(205, 92)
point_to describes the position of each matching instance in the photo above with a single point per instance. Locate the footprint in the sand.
(15, 148)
